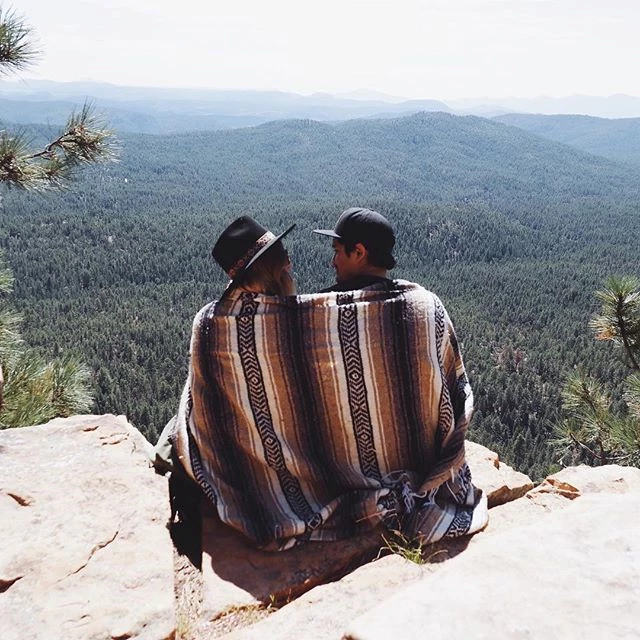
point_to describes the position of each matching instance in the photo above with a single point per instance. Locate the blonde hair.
(268, 274)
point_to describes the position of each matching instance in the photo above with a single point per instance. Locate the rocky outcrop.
(237, 575)
(498, 480)
(538, 571)
(85, 554)
(84, 549)
(572, 574)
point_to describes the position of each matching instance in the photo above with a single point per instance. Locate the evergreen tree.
(32, 390)
(84, 139)
(594, 432)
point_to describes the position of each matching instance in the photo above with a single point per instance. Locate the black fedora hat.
(242, 243)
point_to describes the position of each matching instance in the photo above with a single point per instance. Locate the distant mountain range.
(426, 157)
(615, 106)
(167, 110)
(161, 111)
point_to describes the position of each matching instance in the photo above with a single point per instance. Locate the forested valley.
(512, 231)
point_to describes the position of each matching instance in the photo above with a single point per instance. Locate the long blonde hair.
(269, 274)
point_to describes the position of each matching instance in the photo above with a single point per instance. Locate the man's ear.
(361, 251)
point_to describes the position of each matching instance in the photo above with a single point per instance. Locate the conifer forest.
(512, 231)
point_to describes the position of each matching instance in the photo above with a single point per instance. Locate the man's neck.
(376, 272)
(357, 282)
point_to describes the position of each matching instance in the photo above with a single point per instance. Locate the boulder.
(84, 550)
(499, 481)
(571, 574)
(558, 490)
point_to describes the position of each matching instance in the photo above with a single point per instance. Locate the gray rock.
(572, 574)
(84, 550)
(499, 481)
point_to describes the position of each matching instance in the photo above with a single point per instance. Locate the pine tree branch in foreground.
(85, 140)
(17, 51)
(31, 390)
(619, 320)
(591, 428)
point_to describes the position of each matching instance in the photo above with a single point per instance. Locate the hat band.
(261, 242)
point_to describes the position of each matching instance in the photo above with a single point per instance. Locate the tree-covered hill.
(512, 231)
(617, 139)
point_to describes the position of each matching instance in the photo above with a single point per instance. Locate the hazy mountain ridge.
(614, 106)
(167, 110)
(617, 139)
(162, 111)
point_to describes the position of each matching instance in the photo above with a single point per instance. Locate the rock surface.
(557, 492)
(499, 481)
(324, 611)
(85, 554)
(84, 550)
(573, 573)
(238, 575)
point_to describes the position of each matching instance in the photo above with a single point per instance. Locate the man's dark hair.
(377, 257)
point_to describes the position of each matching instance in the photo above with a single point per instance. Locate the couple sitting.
(319, 416)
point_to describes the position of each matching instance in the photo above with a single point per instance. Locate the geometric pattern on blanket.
(316, 417)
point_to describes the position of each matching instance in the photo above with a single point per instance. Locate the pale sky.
(440, 49)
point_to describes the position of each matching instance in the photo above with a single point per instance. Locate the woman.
(256, 261)
(254, 258)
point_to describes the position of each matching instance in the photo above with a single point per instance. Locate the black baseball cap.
(369, 227)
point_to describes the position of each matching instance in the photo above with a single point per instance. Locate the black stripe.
(356, 388)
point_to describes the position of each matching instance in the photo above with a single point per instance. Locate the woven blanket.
(314, 417)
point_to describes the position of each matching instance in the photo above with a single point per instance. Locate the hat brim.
(327, 232)
(265, 248)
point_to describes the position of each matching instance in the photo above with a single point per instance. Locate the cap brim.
(327, 232)
(266, 248)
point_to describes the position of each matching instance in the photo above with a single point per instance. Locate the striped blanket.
(315, 417)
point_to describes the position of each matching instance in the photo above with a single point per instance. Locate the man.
(362, 244)
(363, 241)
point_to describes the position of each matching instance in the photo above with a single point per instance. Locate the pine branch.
(84, 140)
(17, 51)
(619, 321)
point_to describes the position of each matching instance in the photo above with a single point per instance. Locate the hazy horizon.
(441, 50)
(30, 80)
